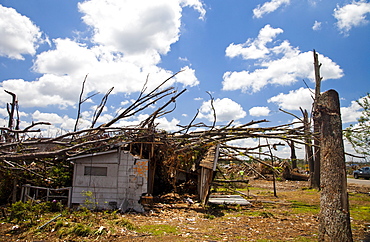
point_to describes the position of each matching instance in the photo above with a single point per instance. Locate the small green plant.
(208, 216)
(77, 229)
(53, 206)
(90, 200)
(58, 225)
(266, 214)
(81, 230)
(123, 222)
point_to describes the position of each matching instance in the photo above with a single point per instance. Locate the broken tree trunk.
(334, 215)
(315, 177)
(308, 145)
(293, 156)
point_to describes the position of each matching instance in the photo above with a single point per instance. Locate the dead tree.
(308, 144)
(293, 156)
(315, 177)
(334, 215)
(13, 124)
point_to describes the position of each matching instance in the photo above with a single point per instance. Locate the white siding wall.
(124, 184)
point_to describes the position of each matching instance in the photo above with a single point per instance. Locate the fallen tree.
(38, 160)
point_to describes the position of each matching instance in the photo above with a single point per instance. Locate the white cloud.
(351, 113)
(187, 77)
(196, 4)
(69, 58)
(313, 3)
(3, 112)
(259, 111)
(254, 49)
(123, 54)
(167, 125)
(281, 64)
(268, 7)
(19, 36)
(226, 110)
(282, 151)
(47, 90)
(3, 122)
(144, 25)
(294, 99)
(249, 143)
(131, 121)
(70, 62)
(316, 26)
(77, 60)
(133, 27)
(58, 122)
(351, 15)
(52, 118)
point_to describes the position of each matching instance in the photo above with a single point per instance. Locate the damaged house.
(114, 179)
(117, 179)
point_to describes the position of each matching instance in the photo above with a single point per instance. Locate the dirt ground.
(268, 219)
(291, 216)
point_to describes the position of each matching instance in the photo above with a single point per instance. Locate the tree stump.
(334, 215)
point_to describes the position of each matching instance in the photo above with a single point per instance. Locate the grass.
(158, 229)
(361, 213)
(360, 206)
(302, 207)
(209, 216)
(298, 239)
(85, 225)
(123, 222)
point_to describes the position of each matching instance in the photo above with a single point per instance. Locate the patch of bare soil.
(291, 216)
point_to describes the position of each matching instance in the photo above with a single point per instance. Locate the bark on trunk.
(293, 156)
(334, 215)
(315, 177)
(308, 145)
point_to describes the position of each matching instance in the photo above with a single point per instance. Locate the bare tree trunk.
(308, 145)
(334, 215)
(14, 192)
(293, 156)
(315, 177)
(11, 108)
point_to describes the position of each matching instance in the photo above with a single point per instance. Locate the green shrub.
(31, 211)
(18, 212)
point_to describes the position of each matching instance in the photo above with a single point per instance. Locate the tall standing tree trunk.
(315, 177)
(11, 109)
(308, 145)
(334, 215)
(293, 156)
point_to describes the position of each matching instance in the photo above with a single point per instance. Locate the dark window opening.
(95, 171)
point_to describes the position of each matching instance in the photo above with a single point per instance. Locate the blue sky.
(252, 56)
